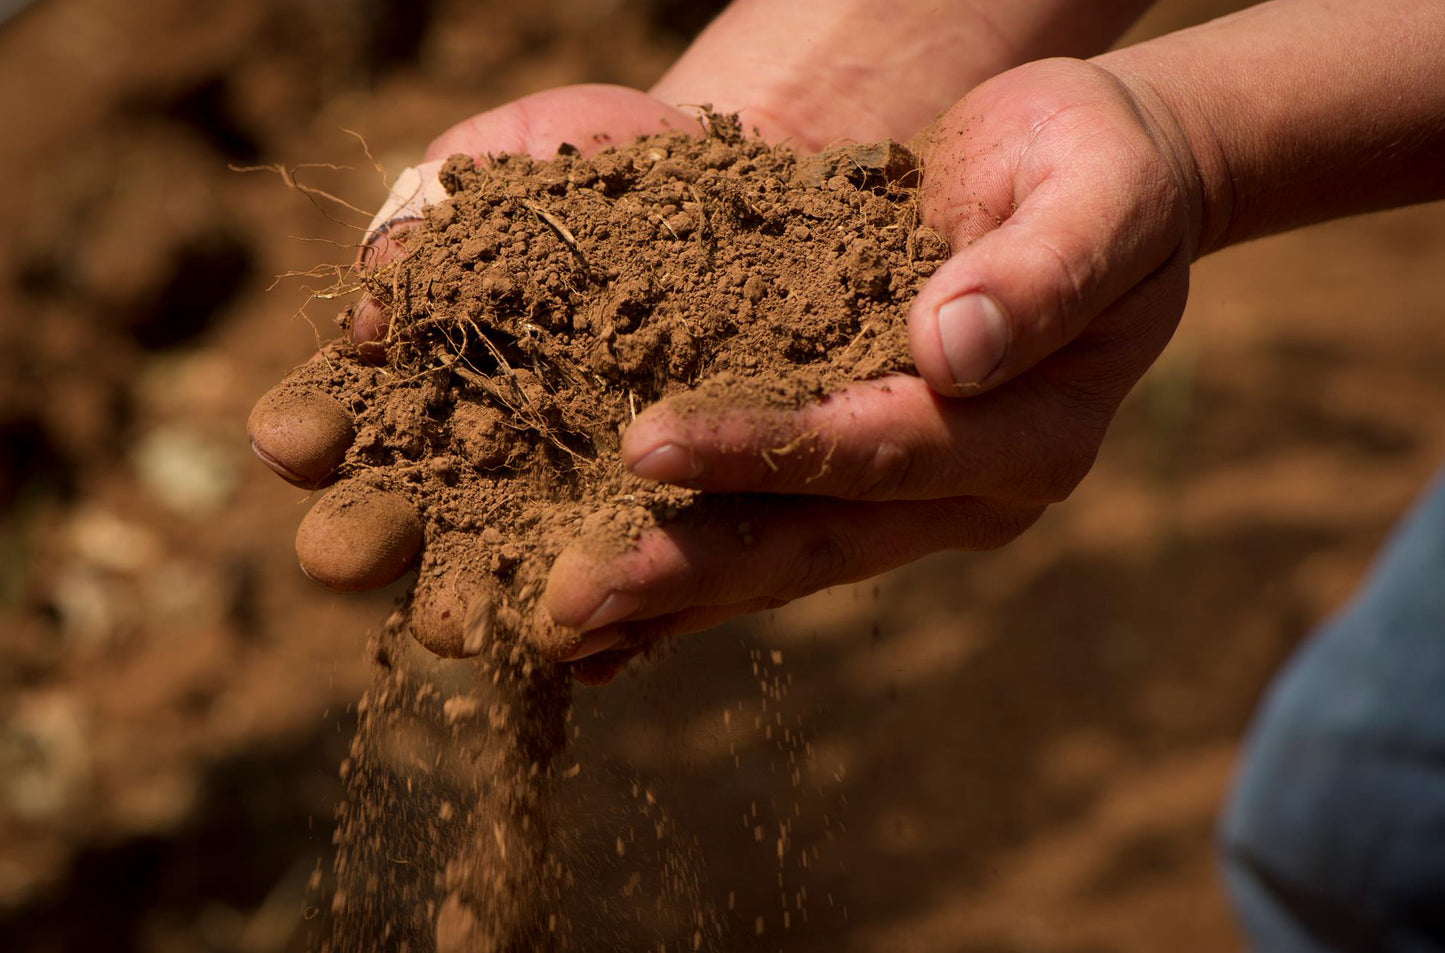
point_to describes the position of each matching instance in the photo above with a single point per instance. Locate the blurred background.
(1013, 751)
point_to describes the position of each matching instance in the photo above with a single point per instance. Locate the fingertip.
(973, 336)
(930, 343)
(452, 615)
(358, 538)
(301, 433)
(659, 444)
(704, 442)
(580, 596)
(667, 462)
(570, 594)
(650, 429)
(369, 326)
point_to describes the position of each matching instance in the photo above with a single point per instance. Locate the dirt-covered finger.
(622, 637)
(764, 549)
(454, 611)
(301, 433)
(386, 244)
(359, 537)
(890, 439)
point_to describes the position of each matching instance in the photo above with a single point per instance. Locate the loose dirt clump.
(536, 311)
(545, 303)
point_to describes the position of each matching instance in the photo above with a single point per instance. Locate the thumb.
(1080, 238)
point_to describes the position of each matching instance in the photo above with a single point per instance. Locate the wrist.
(1297, 111)
(810, 98)
(1188, 143)
(816, 71)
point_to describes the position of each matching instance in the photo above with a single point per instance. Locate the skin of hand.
(812, 72)
(1070, 209)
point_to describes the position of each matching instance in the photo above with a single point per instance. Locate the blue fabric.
(1334, 839)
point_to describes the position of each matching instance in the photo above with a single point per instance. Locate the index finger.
(1028, 442)
(888, 439)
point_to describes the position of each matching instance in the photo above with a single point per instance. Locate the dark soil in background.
(174, 695)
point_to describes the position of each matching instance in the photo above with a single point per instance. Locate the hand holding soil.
(1075, 236)
(515, 350)
(1075, 196)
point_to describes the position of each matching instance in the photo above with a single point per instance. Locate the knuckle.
(1064, 472)
(997, 527)
(831, 557)
(1075, 271)
(883, 475)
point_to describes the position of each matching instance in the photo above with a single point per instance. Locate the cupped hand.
(1069, 200)
(304, 437)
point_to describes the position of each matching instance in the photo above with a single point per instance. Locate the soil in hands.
(536, 311)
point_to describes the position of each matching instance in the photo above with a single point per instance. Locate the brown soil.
(485, 874)
(544, 304)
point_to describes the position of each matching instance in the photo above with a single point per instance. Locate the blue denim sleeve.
(1334, 839)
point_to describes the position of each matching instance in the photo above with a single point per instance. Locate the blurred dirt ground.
(1015, 751)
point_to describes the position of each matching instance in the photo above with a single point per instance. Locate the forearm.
(1298, 111)
(819, 70)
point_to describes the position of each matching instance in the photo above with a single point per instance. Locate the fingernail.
(369, 325)
(387, 244)
(617, 606)
(279, 468)
(669, 463)
(413, 191)
(301, 434)
(593, 643)
(974, 336)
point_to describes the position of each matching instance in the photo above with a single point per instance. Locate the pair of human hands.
(1066, 195)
